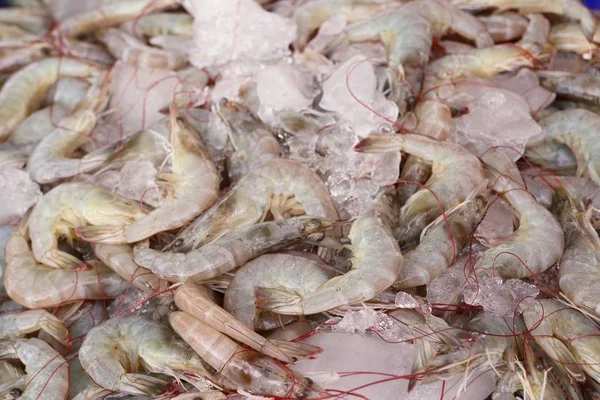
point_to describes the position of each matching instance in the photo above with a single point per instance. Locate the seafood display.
(314, 199)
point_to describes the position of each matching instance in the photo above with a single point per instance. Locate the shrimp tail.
(97, 158)
(142, 384)
(102, 234)
(297, 350)
(56, 329)
(379, 144)
(65, 260)
(272, 299)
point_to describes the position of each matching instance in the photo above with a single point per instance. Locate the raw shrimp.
(91, 52)
(568, 37)
(24, 322)
(35, 20)
(36, 285)
(435, 121)
(67, 207)
(407, 37)
(193, 186)
(567, 336)
(538, 30)
(441, 242)
(132, 51)
(284, 188)
(297, 274)
(579, 273)
(110, 13)
(534, 247)
(311, 15)
(376, 263)
(253, 142)
(455, 173)
(577, 129)
(572, 9)
(159, 24)
(25, 90)
(239, 367)
(49, 161)
(69, 92)
(191, 93)
(195, 300)
(444, 17)
(116, 352)
(14, 60)
(119, 257)
(12, 381)
(228, 252)
(578, 86)
(47, 371)
(39, 124)
(505, 26)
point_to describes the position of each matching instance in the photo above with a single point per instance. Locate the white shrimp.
(253, 142)
(376, 263)
(193, 186)
(67, 207)
(577, 129)
(455, 173)
(567, 336)
(240, 368)
(580, 86)
(47, 371)
(159, 24)
(569, 8)
(132, 51)
(195, 300)
(230, 251)
(12, 381)
(23, 55)
(25, 90)
(284, 188)
(14, 325)
(50, 160)
(35, 285)
(505, 26)
(295, 274)
(568, 37)
(116, 352)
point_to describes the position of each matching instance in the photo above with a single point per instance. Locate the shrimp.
(36, 285)
(441, 242)
(25, 90)
(67, 207)
(88, 51)
(572, 9)
(578, 86)
(505, 26)
(239, 367)
(376, 263)
(22, 323)
(568, 37)
(228, 252)
(195, 300)
(534, 247)
(116, 352)
(282, 187)
(444, 17)
(194, 186)
(159, 24)
(12, 381)
(119, 257)
(455, 173)
(297, 274)
(191, 93)
(49, 160)
(309, 16)
(575, 128)
(567, 336)
(434, 121)
(23, 55)
(47, 371)
(579, 273)
(132, 51)
(110, 13)
(538, 30)
(406, 36)
(35, 20)
(253, 142)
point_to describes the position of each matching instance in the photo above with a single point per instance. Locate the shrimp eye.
(15, 392)
(178, 243)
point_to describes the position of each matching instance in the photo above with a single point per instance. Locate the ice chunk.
(405, 300)
(345, 352)
(505, 299)
(351, 91)
(498, 221)
(237, 30)
(328, 31)
(139, 95)
(19, 193)
(526, 83)
(495, 117)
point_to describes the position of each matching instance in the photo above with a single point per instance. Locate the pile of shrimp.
(211, 281)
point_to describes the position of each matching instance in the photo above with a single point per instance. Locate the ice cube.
(19, 193)
(505, 299)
